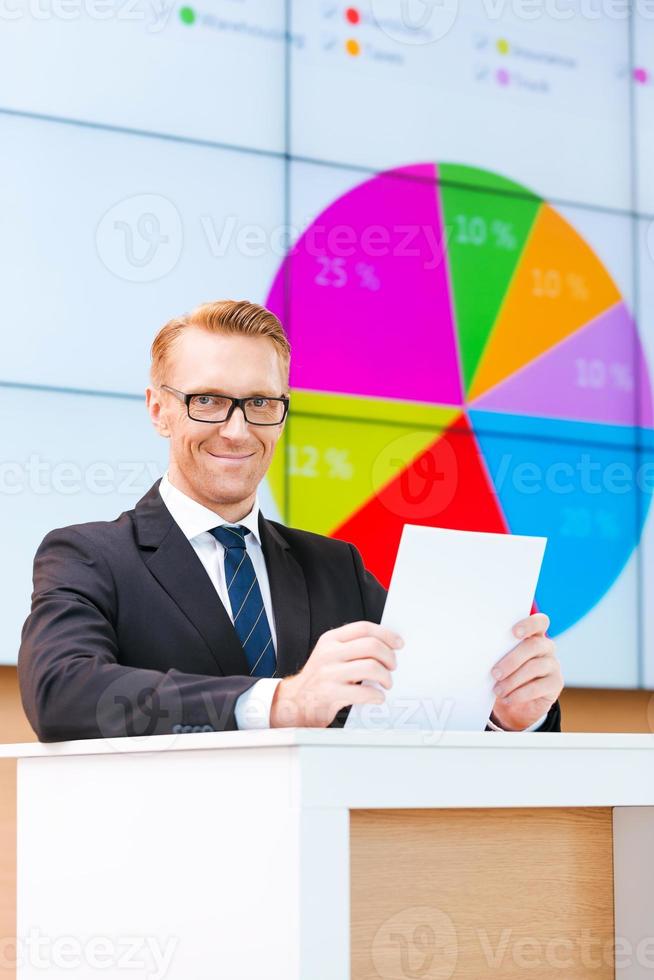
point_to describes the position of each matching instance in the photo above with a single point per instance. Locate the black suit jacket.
(127, 635)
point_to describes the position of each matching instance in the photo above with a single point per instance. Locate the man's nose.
(235, 426)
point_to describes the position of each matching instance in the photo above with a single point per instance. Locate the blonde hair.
(226, 316)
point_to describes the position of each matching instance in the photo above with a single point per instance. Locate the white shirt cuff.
(252, 708)
(532, 728)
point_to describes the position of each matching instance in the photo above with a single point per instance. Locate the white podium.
(327, 854)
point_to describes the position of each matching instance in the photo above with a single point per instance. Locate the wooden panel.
(14, 727)
(481, 893)
(586, 710)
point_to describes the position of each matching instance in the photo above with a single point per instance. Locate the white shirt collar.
(194, 518)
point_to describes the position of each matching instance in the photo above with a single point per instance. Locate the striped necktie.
(250, 620)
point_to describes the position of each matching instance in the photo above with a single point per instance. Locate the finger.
(367, 647)
(363, 628)
(533, 668)
(360, 694)
(541, 689)
(365, 670)
(533, 646)
(536, 623)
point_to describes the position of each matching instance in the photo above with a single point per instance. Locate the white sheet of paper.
(454, 598)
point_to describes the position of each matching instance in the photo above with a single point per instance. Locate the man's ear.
(156, 413)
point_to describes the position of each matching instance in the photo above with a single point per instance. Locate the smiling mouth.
(218, 456)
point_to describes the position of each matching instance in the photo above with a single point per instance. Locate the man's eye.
(259, 402)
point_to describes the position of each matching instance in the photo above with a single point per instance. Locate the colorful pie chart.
(462, 358)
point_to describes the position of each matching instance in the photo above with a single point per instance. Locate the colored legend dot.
(503, 46)
(641, 75)
(503, 77)
(352, 15)
(352, 47)
(187, 15)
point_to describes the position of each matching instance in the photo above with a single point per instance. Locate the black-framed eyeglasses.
(214, 407)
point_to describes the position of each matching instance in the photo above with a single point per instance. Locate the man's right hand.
(330, 678)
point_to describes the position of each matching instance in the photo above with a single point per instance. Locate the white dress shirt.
(252, 708)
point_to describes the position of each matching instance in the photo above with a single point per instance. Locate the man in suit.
(193, 612)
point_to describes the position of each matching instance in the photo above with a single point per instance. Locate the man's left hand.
(528, 679)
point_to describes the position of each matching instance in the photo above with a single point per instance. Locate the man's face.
(218, 464)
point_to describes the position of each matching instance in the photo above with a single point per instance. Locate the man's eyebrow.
(263, 394)
(214, 390)
(208, 388)
(204, 390)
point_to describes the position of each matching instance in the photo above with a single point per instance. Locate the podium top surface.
(331, 738)
(329, 768)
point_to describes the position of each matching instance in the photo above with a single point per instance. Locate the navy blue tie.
(250, 620)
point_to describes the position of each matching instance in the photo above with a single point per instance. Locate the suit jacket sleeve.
(71, 681)
(553, 721)
(373, 595)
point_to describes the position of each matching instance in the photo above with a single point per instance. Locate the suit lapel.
(290, 599)
(177, 568)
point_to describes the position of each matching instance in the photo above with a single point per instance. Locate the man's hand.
(330, 678)
(528, 678)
